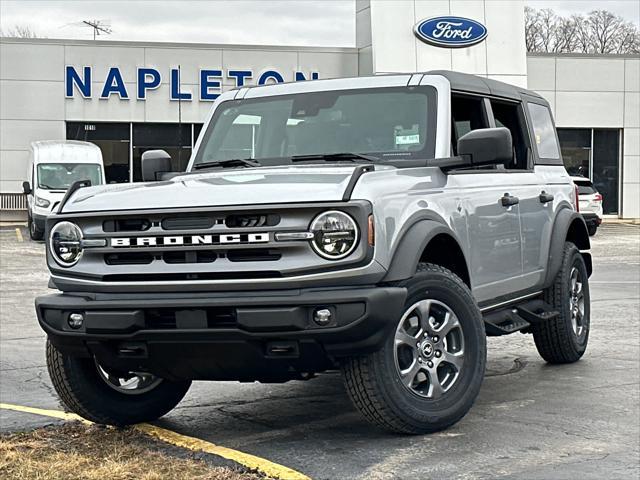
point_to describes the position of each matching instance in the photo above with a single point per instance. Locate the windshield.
(383, 122)
(60, 176)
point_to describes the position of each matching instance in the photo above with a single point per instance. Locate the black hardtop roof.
(466, 82)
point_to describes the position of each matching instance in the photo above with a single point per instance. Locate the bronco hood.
(241, 186)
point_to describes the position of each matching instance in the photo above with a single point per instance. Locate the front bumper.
(591, 219)
(39, 220)
(266, 335)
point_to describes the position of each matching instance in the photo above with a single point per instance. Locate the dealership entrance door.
(114, 140)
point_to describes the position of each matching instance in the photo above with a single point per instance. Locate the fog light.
(75, 320)
(322, 316)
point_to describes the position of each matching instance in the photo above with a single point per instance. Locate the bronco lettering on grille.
(188, 240)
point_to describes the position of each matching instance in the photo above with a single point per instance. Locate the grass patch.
(77, 451)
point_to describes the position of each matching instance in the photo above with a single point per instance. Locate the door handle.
(509, 200)
(545, 197)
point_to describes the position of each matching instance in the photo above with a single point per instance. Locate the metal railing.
(13, 201)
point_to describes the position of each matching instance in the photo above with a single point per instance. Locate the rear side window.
(544, 133)
(509, 115)
(467, 114)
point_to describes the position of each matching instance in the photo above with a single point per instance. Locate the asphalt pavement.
(531, 420)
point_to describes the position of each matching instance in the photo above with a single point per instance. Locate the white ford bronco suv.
(382, 226)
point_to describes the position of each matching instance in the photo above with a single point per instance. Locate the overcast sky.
(272, 22)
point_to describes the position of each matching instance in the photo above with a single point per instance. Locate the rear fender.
(568, 226)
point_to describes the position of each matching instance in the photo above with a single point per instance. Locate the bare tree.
(565, 37)
(599, 32)
(629, 40)
(531, 28)
(583, 34)
(605, 27)
(19, 31)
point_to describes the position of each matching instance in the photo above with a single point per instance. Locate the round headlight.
(335, 234)
(65, 243)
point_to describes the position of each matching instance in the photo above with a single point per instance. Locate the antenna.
(179, 119)
(99, 26)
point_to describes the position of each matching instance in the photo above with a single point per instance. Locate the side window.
(544, 133)
(509, 115)
(467, 114)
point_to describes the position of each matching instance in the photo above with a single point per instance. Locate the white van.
(53, 166)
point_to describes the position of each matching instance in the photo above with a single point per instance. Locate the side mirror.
(26, 188)
(154, 164)
(487, 146)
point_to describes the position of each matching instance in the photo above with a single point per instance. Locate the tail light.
(371, 231)
(598, 198)
(575, 197)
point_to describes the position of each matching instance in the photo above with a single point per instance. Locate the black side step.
(504, 322)
(517, 318)
(537, 317)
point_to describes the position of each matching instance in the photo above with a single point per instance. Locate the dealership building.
(129, 97)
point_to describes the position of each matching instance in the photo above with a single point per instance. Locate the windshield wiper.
(232, 162)
(335, 157)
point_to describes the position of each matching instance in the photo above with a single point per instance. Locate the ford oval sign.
(450, 32)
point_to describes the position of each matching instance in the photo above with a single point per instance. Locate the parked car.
(590, 203)
(52, 167)
(380, 225)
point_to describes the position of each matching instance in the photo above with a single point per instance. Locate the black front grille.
(165, 318)
(195, 256)
(253, 255)
(163, 277)
(128, 258)
(248, 220)
(126, 225)
(188, 223)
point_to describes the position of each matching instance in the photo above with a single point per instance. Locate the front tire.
(90, 391)
(429, 371)
(34, 232)
(564, 339)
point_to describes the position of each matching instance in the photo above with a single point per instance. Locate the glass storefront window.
(197, 129)
(594, 154)
(173, 138)
(575, 145)
(113, 140)
(606, 154)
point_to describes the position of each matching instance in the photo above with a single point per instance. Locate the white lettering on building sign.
(444, 30)
(80, 81)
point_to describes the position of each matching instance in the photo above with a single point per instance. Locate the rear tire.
(34, 232)
(564, 339)
(427, 375)
(592, 229)
(84, 390)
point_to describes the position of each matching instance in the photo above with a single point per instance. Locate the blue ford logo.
(450, 32)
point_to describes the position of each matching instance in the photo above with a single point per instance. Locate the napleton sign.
(78, 81)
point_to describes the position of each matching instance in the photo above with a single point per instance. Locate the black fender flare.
(565, 219)
(409, 249)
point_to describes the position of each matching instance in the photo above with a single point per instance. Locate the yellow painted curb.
(19, 235)
(45, 413)
(252, 462)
